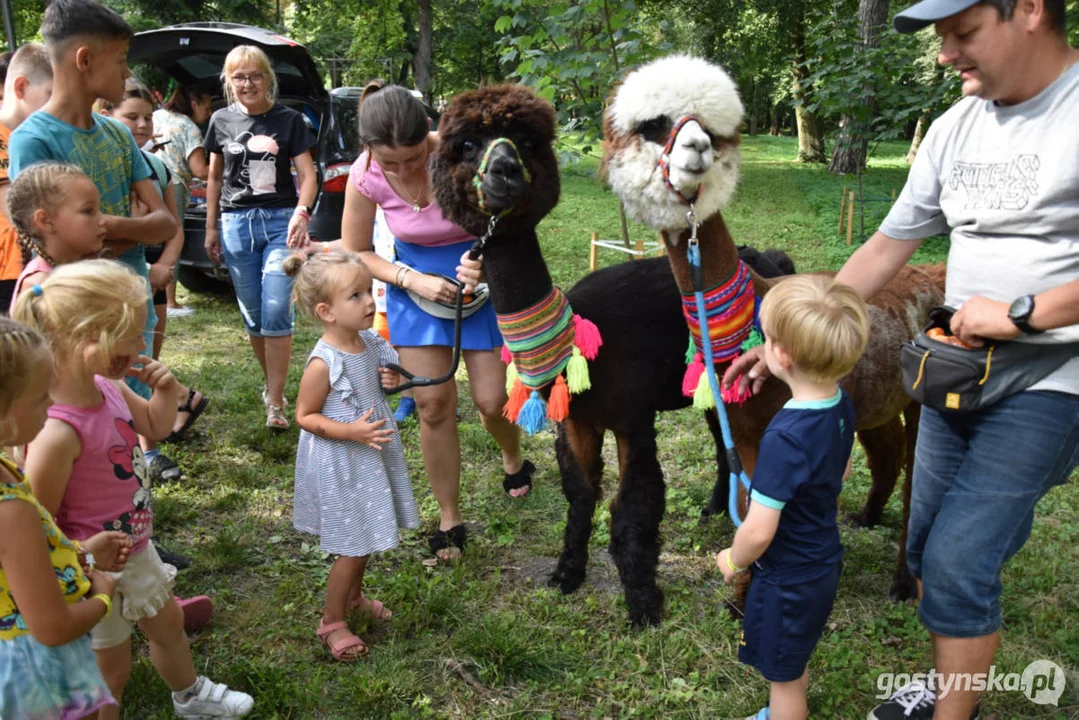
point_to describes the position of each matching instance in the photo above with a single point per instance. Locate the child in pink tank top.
(87, 469)
(109, 491)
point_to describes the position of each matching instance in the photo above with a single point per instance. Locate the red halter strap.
(665, 158)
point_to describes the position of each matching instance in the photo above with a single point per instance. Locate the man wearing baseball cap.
(999, 171)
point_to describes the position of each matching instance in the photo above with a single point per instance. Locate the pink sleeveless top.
(36, 265)
(109, 487)
(425, 228)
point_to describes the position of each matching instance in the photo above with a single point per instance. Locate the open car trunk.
(194, 53)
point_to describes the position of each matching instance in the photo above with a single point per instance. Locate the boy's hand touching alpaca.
(390, 378)
(371, 433)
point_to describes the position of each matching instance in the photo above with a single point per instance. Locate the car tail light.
(336, 178)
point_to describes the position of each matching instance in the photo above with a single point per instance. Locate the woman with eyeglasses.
(252, 143)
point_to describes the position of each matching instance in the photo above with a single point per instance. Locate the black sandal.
(443, 539)
(193, 414)
(521, 478)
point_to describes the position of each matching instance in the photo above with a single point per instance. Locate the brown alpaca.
(671, 135)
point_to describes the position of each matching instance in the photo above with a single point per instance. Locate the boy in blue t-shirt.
(87, 44)
(816, 330)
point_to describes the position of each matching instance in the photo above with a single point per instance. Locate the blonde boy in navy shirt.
(815, 330)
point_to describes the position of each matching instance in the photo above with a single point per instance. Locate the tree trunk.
(853, 142)
(919, 133)
(753, 109)
(421, 62)
(773, 129)
(810, 138)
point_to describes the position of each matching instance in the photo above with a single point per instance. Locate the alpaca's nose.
(504, 164)
(697, 142)
(504, 179)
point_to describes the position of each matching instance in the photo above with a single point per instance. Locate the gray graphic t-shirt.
(1005, 182)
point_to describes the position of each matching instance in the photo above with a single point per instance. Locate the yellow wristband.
(732, 566)
(105, 599)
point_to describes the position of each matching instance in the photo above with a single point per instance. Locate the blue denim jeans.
(977, 479)
(254, 245)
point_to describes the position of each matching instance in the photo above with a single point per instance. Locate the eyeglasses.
(253, 79)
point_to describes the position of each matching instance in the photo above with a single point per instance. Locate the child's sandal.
(518, 480)
(347, 648)
(377, 609)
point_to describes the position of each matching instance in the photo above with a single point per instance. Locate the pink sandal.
(347, 648)
(375, 607)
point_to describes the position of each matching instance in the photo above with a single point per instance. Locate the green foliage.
(358, 39)
(572, 52)
(899, 74)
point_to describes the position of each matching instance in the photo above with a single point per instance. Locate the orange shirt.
(10, 252)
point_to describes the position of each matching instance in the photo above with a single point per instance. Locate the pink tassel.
(734, 394)
(586, 337)
(693, 375)
(507, 358)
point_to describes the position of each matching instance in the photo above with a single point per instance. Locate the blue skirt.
(412, 327)
(38, 682)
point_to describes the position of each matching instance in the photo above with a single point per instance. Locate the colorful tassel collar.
(541, 342)
(731, 316)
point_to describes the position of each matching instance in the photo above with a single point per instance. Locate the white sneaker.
(180, 312)
(213, 700)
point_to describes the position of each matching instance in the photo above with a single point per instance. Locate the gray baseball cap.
(927, 12)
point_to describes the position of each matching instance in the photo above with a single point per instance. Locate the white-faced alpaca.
(671, 131)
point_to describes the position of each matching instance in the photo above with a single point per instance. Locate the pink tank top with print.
(36, 265)
(109, 487)
(426, 228)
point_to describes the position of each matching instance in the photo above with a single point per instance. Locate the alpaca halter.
(705, 390)
(542, 341)
(481, 172)
(665, 160)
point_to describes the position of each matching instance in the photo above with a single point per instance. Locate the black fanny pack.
(951, 378)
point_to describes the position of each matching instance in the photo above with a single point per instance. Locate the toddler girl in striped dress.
(352, 487)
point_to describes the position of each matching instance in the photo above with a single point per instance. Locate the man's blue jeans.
(977, 478)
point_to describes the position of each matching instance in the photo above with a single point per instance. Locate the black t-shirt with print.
(258, 152)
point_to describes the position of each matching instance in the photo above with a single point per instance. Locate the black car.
(194, 54)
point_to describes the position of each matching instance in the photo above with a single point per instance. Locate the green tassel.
(691, 351)
(511, 377)
(753, 340)
(577, 379)
(702, 396)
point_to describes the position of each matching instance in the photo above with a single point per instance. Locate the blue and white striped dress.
(355, 498)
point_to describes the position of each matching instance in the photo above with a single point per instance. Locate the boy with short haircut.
(815, 329)
(27, 88)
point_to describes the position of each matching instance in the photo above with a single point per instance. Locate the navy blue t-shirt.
(799, 471)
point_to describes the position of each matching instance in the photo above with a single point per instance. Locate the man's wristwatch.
(306, 208)
(1019, 313)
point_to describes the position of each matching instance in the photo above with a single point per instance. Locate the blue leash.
(734, 462)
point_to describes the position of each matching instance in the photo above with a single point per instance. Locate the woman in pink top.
(393, 173)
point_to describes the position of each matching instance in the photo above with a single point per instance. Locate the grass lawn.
(487, 638)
